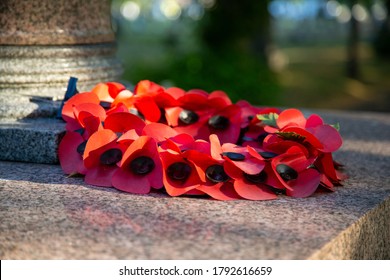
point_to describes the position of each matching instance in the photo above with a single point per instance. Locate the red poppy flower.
(187, 121)
(201, 124)
(214, 180)
(150, 100)
(88, 117)
(80, 98)
(70, 153)
(275, 144)
(246, 169)
(180, 175)
(193, 105)
(117, 108)
(253, 132)
(195, 143)
(326, 166)
(101, 156)
(147, 88)
(291, 123)
(123, 121)
(236, 155)
(249, 112)
(125, 97)
(107, 92)
(140, 168)
(295, 172)
(251, 186)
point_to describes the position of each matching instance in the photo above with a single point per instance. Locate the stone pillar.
(43, 43)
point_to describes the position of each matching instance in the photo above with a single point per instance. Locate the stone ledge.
(46, 215)
(30, 140)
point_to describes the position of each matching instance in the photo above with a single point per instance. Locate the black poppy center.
(219, 122)
(216, 174)
(234, 156)
(81, 147)
(142, 165)
(80, 131)
(179, 171)
(111, 156)
(256, 178)
(188, 117)
(286, 172)
(105, 104)
(261, 137)
(267, 155)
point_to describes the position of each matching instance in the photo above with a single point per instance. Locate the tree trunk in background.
(242, 26)
(382, 40)
(353, 46)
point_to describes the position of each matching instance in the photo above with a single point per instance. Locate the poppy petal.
(175, 92)
(122, 122)
(89, 109)
(314, 120)
(308, 134)
(219, 99)
(328, 136)
(101, 90)
(193, 101)
(249, 166)
(117, 108)
(147, 88)
(220, 191)
(201, 146)
(326, 166)
(252, 191)
(216, 149)
(156, 176)
(125, 97)
(232, 170)
(159, 131)
(115, 88)
(70, 160)
(128, 137)
(183, 140)
(100, 175)
(80, 98)
(97, 140)
(128, 182)
(148, 108)
(164, 100)
(290, 117)
(172, 115)
(176, 187)
(306, 184)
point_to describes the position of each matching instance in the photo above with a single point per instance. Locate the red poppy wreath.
(195, 143)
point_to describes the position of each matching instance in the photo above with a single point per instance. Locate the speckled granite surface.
(28, 73)
(44, 42)
(47, 22)
(30, 140)
(45, 215)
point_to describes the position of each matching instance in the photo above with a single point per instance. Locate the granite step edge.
(31, 140)
(368, 238)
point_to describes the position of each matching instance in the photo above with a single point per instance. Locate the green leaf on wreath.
(336, 126)
(293, 136)
(269, 119)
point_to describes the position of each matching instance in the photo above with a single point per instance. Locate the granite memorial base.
(48, 215)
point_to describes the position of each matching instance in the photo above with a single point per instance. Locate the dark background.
(291, 53)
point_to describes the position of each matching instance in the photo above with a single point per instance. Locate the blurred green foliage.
(226, 47)
(222, 51)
